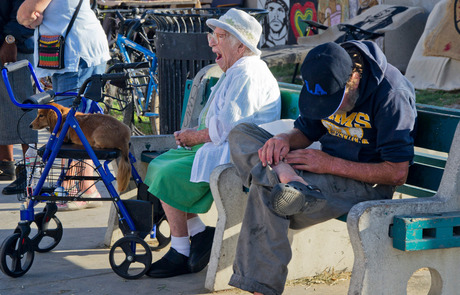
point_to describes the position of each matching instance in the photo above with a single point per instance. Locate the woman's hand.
(190, 137)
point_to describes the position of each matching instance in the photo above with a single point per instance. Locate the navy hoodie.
(10, 26)
(381, 125)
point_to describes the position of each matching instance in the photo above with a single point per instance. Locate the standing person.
(362, 110)
(246, 92)
(16, 44)
(86, 54)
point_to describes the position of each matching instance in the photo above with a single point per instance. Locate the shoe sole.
(166, 275)
(287, 200)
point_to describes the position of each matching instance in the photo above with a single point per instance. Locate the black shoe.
(295, 197)
(200, 249)
(18, 186)
(171, 265)
(7, 170)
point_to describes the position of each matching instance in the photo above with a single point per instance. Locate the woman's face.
(227, 52)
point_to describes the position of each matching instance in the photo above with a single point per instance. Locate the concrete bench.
(394, 238)
(436, 128)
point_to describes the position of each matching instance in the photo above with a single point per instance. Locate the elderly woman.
(246, 92)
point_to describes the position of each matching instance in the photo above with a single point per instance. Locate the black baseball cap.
(325, 72)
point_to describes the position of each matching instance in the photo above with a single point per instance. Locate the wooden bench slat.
(425, 176)
(415, 191)
(426, 231)
(435, 131)
(430, 159)
(290, 100)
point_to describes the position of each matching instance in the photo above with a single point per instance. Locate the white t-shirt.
(86, 39)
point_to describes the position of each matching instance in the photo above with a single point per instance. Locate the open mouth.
(219, 56)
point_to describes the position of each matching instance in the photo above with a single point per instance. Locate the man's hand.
(274, 150)
(311, 160)
(319, 162)
(191, 137)
(8, 53)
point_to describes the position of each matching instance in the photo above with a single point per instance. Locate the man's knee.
(240, 130)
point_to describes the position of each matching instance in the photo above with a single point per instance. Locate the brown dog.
(101, 131)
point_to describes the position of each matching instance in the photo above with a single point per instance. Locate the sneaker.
(92, 204)
(72, 206)
(295, 197)
(7, 170)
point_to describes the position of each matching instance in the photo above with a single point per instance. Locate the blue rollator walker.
(130, 257)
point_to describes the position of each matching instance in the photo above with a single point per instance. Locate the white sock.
(195, 226)
(181, 245)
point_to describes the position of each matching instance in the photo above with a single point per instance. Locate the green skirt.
(168, 178)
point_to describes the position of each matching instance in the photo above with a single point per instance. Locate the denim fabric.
(71, 81)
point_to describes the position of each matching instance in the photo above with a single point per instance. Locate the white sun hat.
(241, 25)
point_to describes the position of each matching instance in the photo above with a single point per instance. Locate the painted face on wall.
(276, 16)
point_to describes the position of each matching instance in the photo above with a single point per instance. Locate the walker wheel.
(162, 238)
(130, 257)
(17, 255)
(48, 235)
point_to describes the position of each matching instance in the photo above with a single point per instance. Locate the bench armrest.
(158, 143)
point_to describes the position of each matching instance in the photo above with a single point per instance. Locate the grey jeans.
(263, 250)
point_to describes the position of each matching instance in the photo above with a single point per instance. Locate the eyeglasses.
(216, 37)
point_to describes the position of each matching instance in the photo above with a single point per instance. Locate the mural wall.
(285, 20)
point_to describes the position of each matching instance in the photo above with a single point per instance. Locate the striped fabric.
(50, 51)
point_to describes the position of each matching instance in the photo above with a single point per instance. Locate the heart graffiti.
(301, 12)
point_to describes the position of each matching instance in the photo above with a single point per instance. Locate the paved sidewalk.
(80, 263)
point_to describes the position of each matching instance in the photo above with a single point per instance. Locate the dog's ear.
(52, 119)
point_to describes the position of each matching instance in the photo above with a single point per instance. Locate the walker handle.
(11, 67)
(40, 98)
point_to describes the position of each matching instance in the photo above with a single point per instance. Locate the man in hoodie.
(362, 111)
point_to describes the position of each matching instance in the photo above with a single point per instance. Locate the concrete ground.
(80, 262)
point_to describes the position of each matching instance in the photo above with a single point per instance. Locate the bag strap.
(74, 16)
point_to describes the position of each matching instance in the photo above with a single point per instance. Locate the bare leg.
(177, 220)
(191, 215)
(175, 261)
(87, 185)
(6, 152)
(286, 173)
